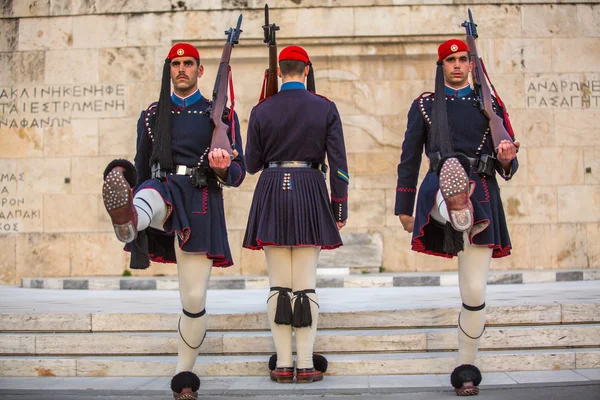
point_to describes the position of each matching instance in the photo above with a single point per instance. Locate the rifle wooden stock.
(497, 129)
(272, 86)
(220, 139)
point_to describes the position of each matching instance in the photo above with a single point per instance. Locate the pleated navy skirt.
(291, 207)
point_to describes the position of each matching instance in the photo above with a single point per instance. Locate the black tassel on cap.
(310, 79)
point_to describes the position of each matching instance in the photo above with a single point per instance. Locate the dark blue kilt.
(428, 234)
(195, 215)
(298, 216)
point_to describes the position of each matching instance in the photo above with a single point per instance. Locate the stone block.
(533, 128)
(22, 68)
(416, 281)
(9, 35)
(227, 284)
(80, 138)
(150, 29)
(369, 214)
(504, 279)
(555, 166)
(202, 25)
(591, 160)
(373, 163)
(22, 142)
(579, 313)
(43, 176)
(588, 18)
(76, 322)
(75, 284)
(593, 232)
(81, 212)
(426, 263)
(539, 276)
(42, 254)
(511, 88)
(253, 262)
(98, 31)
(126, 64)
(359, 250)
(324, 282)
(29, 8)
(587, 359)
(140, 95)
(530, 314)
(45, 33)
(529, 361)
(577, 127)
(86, 176)
(324, 22)
(515, 55)
(37, 367)
(59, 67)
(391, 21)
(139, 322)
(543, 21)
(572, 49)
(237, 206)
(8, 259)
(530, 205)
(573, 199)
(520, 258)
(104, 284)
(137, 284)
(394, 67)
(559, 246)
(363, 282)
(17, 344)
(569, 276)
(117, 136)
(97, 254)
(37, 283)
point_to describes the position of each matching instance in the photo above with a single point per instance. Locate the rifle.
(216, 111)
(481, 87)
(270, 82)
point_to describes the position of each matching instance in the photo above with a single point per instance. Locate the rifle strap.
(231, 112)
(500, 103)
(263, 91)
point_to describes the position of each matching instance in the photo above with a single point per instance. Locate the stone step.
(354, 277)
(339, 364)
(328, 341)
(257, 321)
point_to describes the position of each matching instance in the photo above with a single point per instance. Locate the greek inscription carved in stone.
(563, 93)
(14, 210)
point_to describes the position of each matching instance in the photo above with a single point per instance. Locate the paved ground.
(19, 300)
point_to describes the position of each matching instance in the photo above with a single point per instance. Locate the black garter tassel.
(302, 314)
(140, 257)
(453, 240)
(283, 312)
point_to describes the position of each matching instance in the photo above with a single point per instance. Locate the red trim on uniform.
(239, 175)
(339, 199)
(406, 190)
(320, 95)
(204, 201)
(261, 244)
(485, 190)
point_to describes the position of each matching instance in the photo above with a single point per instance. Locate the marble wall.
(74, 76)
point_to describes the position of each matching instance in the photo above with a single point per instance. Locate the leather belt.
(296, 164)
(486, 164)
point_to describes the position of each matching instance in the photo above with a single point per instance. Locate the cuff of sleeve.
(506, 175)
(405, 201)
(339, 207)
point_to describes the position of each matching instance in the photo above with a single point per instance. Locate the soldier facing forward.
(459, 210)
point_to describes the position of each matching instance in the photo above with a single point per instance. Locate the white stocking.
(194, 273)
(473, 267)
(279, 264)
(150, 208)
(304, 276)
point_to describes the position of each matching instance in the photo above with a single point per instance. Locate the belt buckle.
(181, 170)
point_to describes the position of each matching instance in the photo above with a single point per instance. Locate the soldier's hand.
(341, 224)
(507, 151)
(407, 222)
(219, 159)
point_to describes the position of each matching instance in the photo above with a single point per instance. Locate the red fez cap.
(295, 53)
(450, 47)
(183, 50)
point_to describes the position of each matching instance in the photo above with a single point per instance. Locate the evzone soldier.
(459, 211)
(175, 212)
(292, 218)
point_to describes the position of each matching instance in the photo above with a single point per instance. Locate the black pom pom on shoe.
(185, 379)
(465, 373)
(320, 363)
(130, 171)
(273, 362)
